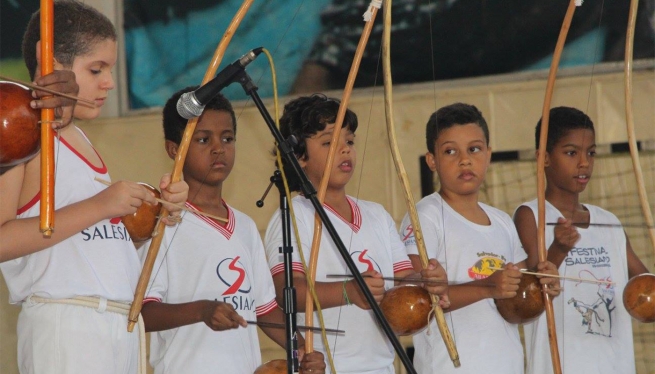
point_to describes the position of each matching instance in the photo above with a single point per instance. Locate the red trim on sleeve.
(151, 300)
(403, 265)
(266, 308)
(279, 268)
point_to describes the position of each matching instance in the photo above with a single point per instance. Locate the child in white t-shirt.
(366, 229)
(594, 330)
(468, 238)
(89, 255)
(210, 276)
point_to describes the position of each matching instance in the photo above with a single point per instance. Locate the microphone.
(191, 104)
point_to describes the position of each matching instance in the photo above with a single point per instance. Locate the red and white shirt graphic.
(203, 259)
(373, 244)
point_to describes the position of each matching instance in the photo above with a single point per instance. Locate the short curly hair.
(307, 115)
(560, 121)
(77, 29)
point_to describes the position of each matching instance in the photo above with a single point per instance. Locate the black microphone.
(191, 104)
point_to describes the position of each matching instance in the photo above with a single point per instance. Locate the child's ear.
(302, 161)
(171, 149)
(547, 160)
(431, 161)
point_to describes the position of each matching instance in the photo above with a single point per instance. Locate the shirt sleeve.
(399, 256)
(158, 284)
(265, 290)
(273, 243)
(431, 235)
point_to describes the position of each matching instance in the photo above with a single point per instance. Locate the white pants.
(70, 339)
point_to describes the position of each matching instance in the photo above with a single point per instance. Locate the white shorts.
(71, 339)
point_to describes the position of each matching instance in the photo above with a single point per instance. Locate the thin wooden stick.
(194, 211)
(583, 224)
(89, 103)
(303, 328)
(396, 279)
(525, 271)
(410, 280)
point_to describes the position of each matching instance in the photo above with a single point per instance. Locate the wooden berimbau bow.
(404, 180)
(629, 117)
(541, 179)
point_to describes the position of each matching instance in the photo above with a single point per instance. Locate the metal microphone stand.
(310, 193)
(289, 292)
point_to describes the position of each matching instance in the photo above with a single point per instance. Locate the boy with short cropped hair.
(468, 238)
(593, 328)
(211, 271)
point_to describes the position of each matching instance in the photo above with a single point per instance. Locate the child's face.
(93, 72)
(461, 157)
(212, 150)
(571, 162)
(345, 157)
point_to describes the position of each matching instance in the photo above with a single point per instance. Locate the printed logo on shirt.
(482, 268)
(365, 262)
(232, 274)
(596, 257)
(103, 231)
(596, 305)
(408, 236)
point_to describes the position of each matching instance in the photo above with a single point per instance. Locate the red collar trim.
(227, 230)
(356, 224)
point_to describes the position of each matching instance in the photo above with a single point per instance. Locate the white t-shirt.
(485, 341)
(202, 260)
(98, 261)
(373, 243)
(594, 331)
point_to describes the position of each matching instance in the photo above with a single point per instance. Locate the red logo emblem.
(239, 281)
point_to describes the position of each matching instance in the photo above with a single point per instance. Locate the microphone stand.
(289, 293)
(310, 193)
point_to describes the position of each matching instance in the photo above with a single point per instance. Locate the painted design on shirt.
(365, 262)
(594, 257)
(482, 267)
(596, 305)
(232, 273)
